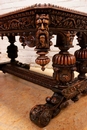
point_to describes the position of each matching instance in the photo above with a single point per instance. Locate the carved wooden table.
(36, 26)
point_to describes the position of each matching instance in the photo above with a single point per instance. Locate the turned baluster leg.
(12, 49)
(81, 56)
(63, 65)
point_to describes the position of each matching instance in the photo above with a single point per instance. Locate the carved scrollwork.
(59, 21)
(66, 21)
(19, 23)
(59, 18)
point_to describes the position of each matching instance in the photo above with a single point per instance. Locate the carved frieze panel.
(68, 21)
(60, 18)
(18, 23)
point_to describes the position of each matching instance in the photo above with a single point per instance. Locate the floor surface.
(18, 96)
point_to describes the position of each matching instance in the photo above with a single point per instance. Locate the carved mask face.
(42, 34)
(42, 22)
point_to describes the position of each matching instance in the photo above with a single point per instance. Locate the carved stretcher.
(36, 26)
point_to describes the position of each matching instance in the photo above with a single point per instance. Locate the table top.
(23, 20)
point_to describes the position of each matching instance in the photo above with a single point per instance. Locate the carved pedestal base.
(42, 114)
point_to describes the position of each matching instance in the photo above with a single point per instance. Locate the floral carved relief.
(19, 23)
(68, 21)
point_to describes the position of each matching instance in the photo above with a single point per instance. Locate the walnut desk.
(36, 26)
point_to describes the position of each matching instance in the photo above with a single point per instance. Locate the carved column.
(81, 55)
(64, 66)
(12, 49)
(64, 62)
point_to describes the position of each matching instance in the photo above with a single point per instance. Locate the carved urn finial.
(42, 60)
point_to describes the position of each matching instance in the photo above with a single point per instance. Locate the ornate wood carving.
(43, 37)
(60, 18)
(43, 113)
(17, 22)
(36, 25)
